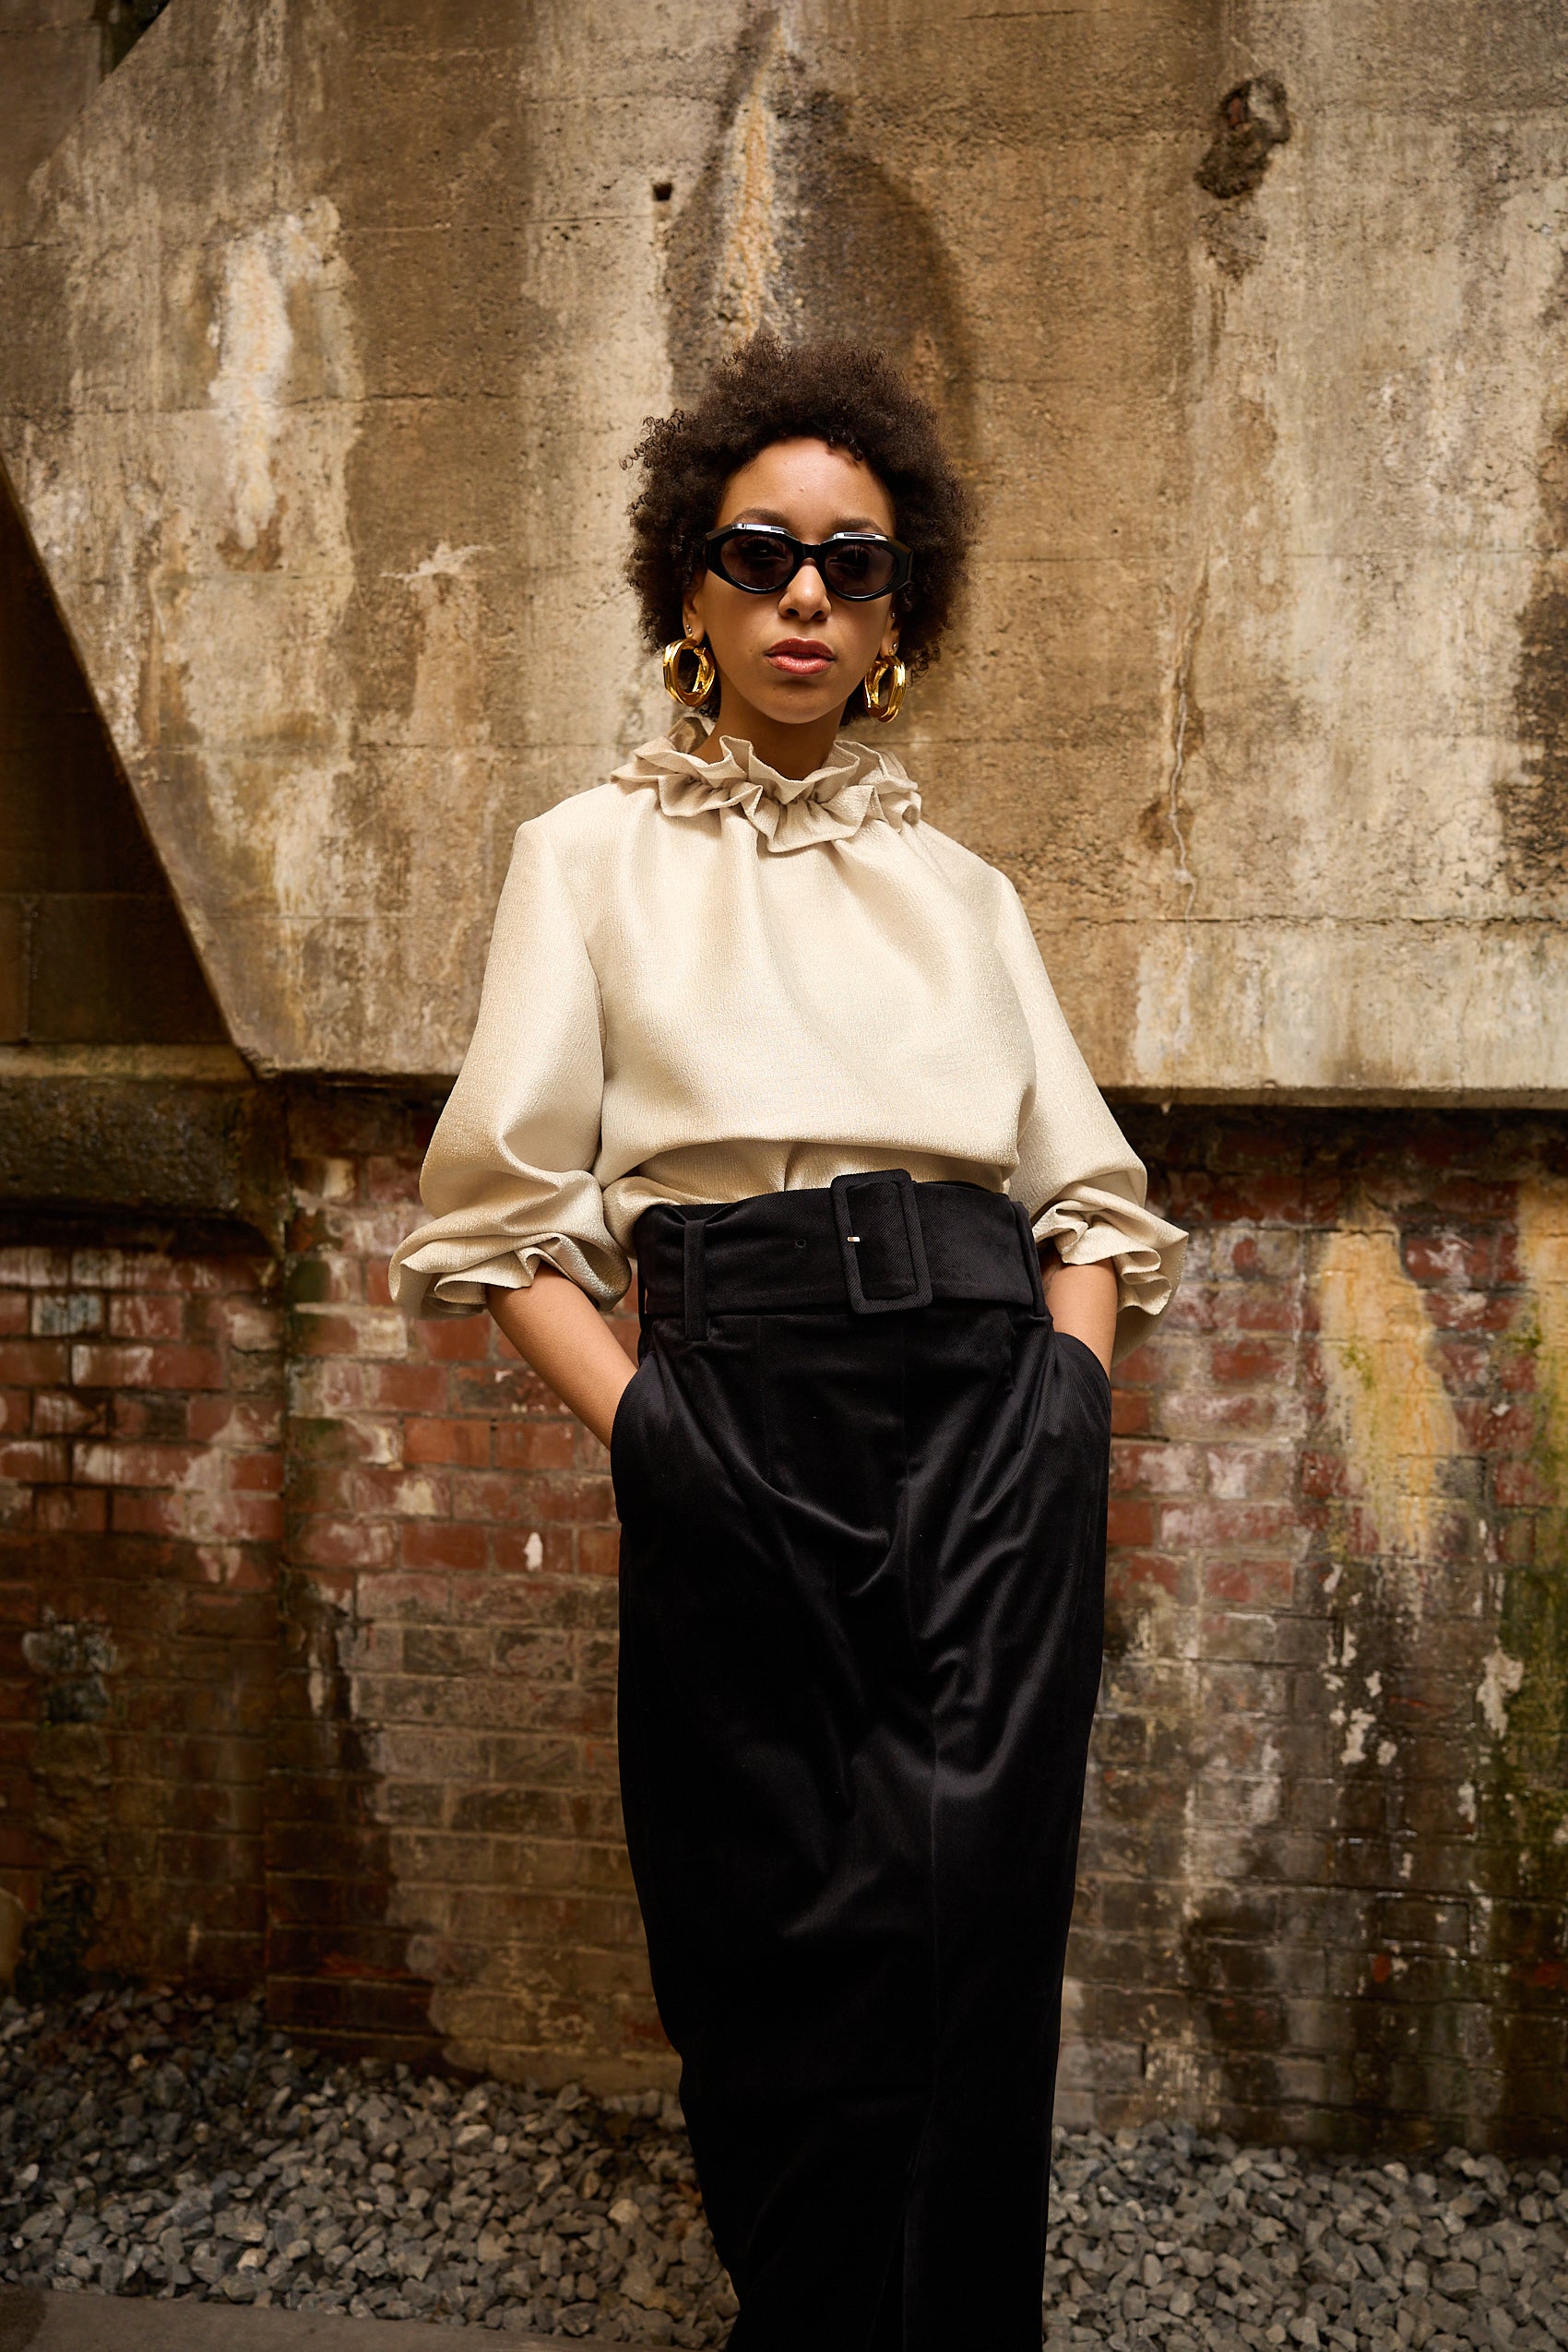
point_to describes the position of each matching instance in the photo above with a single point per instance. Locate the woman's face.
(797, 656)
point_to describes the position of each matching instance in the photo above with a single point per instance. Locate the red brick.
(1267, 1310)
(13, 1317)
(344, 1543)
(464, 1340)
(230, 1421)
(1468, 1260)
(536, 1446)
(105, 1366)
(1132, 1575)
(74, 1511)
(1130, 1412)
(1251, 1583)
(105, 1464)
(257, 1473)
(35, 1363)
(393, 1179)
(16, 1410)
(148, 1315)
(441, 1544)
(598, 1551)
(1522, 1484)
(447, 1441)
(35, 1269)
(1497, 1428)
(1157, 1469)
(36, 1460)
(422, 1597)
(512, 1497)
(1210, 1520)
(513, 1550)
(248, 1324)
(370, 1332)
(1235, 1361)
(1470, 1310)
(1130, 1523)
(58, 1413)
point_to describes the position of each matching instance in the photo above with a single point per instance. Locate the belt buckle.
(902, 1184)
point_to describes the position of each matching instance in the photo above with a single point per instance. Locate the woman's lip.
(800, 657)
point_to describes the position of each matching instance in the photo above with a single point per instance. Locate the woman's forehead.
(809, 487)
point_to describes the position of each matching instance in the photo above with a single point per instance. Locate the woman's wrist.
(1083, 1300)
(561, 1334)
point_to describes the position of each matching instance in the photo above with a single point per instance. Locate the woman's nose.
(806, 595)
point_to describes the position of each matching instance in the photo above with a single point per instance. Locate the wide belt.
(869, 1245)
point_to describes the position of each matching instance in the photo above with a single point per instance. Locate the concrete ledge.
(189, 1140)
(53, 2322)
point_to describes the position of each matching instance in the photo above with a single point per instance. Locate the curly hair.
(839, 392)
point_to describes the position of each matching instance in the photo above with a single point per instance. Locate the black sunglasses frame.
(804, 552)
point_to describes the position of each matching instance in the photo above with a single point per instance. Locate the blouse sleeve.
(507, 1176)
(1083, 1184)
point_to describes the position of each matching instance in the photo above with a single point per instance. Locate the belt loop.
(1032, 1258)
(694, 1241)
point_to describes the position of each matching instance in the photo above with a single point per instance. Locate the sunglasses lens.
(756, 560)
(858, 567)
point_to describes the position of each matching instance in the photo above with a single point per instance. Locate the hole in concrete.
(1252, 120)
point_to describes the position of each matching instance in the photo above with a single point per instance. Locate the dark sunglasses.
(857, 566)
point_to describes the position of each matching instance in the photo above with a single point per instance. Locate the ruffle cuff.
(434, 1280)
(1091, 1229)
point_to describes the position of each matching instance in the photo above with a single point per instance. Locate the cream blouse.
(708, 980)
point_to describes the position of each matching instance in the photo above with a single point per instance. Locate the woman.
(750, 1019)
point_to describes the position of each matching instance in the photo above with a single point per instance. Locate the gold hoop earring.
(690, 698)
(885, 685)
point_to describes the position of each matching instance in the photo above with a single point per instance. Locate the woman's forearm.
(1083, 1300)
(556, 1328)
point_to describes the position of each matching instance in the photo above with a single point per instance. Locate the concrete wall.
(333, 322)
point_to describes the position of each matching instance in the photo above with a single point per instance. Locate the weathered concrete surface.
(51, 62)
(329, 322)
(178, 1131)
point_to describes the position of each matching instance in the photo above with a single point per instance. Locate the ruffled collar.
(859, 785)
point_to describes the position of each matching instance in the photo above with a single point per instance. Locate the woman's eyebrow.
(782, 522)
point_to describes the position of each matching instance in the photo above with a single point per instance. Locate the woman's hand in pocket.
(560, 1333)
(1083, 1301)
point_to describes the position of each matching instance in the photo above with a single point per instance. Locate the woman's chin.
(803, 702)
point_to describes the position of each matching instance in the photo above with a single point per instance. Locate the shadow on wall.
(794, 226)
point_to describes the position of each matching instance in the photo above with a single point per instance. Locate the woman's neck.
(793, 751)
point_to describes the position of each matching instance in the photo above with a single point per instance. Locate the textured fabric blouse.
(708, 980)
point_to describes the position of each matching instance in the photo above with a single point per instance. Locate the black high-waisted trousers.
(862, 1597)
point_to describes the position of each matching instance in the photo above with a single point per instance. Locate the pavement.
(35, 2322)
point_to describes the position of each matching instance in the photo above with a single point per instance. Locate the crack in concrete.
(1181, 709)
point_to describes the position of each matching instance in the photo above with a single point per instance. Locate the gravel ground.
(155, 2145)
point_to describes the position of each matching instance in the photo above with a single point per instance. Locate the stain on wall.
(1533, 796)
(795, 225)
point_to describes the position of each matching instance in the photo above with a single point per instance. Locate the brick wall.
(1325, 1862)
(453, 1549)
(1326, 1859)
(140, 1518)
